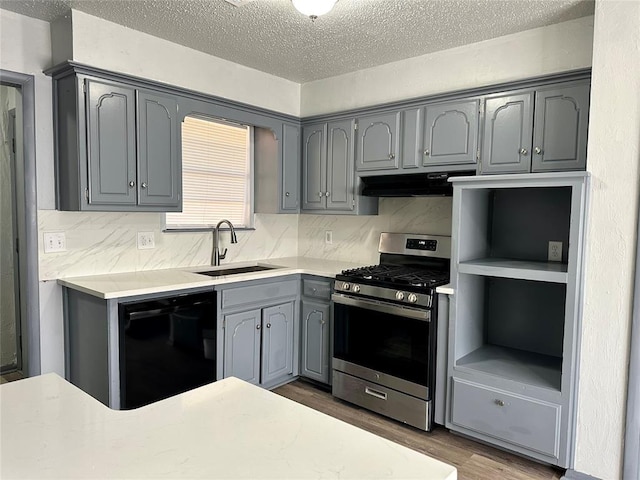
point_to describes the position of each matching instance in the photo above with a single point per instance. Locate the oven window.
(386, 343)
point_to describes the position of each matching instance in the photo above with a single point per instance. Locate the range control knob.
(356, 288)
(399, 295)
(346, 286)
(413, 298)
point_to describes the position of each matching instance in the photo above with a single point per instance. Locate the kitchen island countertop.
(122, 285)
(228, 429)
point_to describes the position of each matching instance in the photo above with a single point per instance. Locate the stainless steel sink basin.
(236, 270)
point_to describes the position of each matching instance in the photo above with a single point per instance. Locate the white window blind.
(216, 175)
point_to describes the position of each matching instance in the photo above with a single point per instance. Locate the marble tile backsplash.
(107, 243)
(355, 239)
(100, 243)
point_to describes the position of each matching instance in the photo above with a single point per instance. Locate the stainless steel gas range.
(385, 328)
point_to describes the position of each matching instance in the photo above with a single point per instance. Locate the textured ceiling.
(270, 35)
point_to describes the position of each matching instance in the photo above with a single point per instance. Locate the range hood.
(413, 185)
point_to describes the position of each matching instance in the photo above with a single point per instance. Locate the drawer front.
(316, 288)
(385, 401)
(526, 422)
(259, 294)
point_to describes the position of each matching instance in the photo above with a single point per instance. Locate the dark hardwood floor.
(473, 460)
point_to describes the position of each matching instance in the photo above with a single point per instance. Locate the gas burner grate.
(399, 274)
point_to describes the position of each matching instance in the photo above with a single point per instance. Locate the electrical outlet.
(328, 237)
(55, 242)
(146, 240)
(555, 251)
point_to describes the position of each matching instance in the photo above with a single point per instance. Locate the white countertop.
(120, 285)
(228, 429)
(446, 289)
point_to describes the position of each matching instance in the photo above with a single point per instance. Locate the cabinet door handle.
(426, 153)
(144, 185)
(326, 194)
(499, 402)
(286, 194)
(391, 156)
(320, 194)
(132, 184)
(523, 151)
(538, 151)
(258, 327)
(268, 325)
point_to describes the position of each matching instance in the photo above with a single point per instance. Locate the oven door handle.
(416, 314)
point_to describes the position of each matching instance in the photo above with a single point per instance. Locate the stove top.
(397, 276)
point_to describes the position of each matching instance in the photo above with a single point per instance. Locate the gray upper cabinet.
(111, 144)
(560, 132)
(314, 167)
(117, 147)
(536, 131)
(507, 133)
(340, 169)
(378, 144)
(451, 133)
(159, 174)
(276, 152)
(329, 183)
(290, 167)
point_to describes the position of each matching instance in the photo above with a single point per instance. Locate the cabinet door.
(314, 167)
(242, 346)
(507, 134)
(315, 340)
(111, 144)
(340, 168)
(451, 133)
(378, 147)
(277, 342)
(290, 167)
(159, 179)
(560, 129)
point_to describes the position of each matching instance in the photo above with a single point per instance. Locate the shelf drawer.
(522, 421)
(262, 294)
(316, 289)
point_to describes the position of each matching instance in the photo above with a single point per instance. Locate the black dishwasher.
(167, 346)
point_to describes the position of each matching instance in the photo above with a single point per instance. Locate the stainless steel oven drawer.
(385, 401)
(523, 421)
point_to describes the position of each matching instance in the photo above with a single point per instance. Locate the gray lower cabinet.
(117, 147)
(329, 184)
(538, 130)
(259, 326)
(378, 142)
(315, 346)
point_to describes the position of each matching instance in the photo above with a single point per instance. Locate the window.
(216, 175)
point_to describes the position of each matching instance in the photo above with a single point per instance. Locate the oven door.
(389, 344)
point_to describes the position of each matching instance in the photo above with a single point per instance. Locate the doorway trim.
(29, 287)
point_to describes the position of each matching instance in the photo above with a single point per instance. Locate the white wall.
(556, 48)
(613, 160)
(111, 46)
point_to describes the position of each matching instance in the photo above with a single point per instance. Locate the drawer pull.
(499, 402)
(375, 393)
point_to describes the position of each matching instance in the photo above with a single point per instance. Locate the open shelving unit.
(514, 324)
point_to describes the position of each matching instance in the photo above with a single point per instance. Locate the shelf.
(520, 269)
(525, 367)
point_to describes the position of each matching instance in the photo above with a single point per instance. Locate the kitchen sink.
(236, 270)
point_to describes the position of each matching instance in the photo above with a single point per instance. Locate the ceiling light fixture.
(313, 8)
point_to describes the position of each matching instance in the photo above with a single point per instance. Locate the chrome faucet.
(217, 256)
